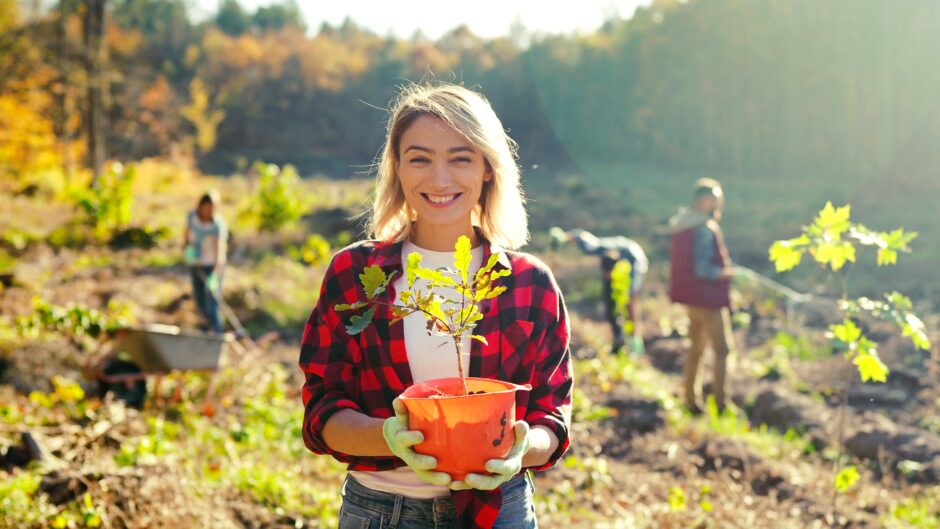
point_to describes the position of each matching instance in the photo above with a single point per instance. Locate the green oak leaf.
(462, 257)
(373, 281)
(480, 339)
(411, 268)
(435, 277)
(483, 271)
(358, 322)
(339, 307)
(435, 309)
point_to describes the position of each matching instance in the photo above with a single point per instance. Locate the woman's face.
(441, 174)
(205, 211)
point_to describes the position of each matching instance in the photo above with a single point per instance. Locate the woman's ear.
(488, 171)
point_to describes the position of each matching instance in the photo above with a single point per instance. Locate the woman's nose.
(441, 174)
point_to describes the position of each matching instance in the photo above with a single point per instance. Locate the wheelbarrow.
(155, 350)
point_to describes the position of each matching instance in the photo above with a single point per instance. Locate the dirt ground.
(643, 463)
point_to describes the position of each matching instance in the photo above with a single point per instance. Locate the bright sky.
(487, 18)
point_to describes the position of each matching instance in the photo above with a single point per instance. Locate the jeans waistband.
(396, 506)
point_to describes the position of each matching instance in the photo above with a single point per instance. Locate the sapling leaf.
(436, 278)
(373, 280)
(462, 257)
(469, 314)
(786, 255)
(481, 293)
(887, 256)
(480, 339)
(846, 479)
(870, 366)
(506, 272)
(832, 222)
(914, 328)
(435, 309)
(867, 237)
(894, 242)
(358, 322)
(484, 270)
(846, 332)
(339, 307)
(411, 268)
(677, 499)
(495, 292)
(835, 254)
(899, 301)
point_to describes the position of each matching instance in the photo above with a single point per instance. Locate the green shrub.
(108, 205)
(314, 251)
(280, 199)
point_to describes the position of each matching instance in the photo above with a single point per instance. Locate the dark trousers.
(208, 306)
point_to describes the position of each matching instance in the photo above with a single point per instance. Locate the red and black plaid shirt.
(526, 329)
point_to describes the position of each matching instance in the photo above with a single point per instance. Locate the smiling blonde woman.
(500, 212)
(447, 170)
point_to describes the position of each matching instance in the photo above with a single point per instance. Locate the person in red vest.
(700, 278)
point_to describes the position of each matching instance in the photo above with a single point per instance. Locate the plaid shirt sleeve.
(552, 380)
(328, 356)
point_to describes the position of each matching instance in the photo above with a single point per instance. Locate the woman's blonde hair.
(501, 212)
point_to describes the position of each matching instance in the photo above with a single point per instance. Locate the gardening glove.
(739, 273)
(559, 237)
(637, 346)
(502, 469)
(189, 254)
(400, 440)
(212, 283)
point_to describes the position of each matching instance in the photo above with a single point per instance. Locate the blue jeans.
(206, 302)
(364, 508)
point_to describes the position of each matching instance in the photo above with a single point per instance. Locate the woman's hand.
(400, 440)
(502, 469)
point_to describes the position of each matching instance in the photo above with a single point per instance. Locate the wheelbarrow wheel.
(132, 393)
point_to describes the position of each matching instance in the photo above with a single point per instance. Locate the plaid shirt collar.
(388, 254)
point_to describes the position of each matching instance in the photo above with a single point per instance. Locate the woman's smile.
(441, 201)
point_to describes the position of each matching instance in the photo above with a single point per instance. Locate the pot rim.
(431, 382)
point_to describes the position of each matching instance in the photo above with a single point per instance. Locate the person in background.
(612, 250)
(700, 278)
(205, 243)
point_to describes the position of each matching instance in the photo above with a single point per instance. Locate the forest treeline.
(843, 88)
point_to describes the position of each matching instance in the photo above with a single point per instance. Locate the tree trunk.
(63, 109)
(95, 115)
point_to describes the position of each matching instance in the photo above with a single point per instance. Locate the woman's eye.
(462, 159)
(420, 159)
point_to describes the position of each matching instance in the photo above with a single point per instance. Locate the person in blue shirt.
(612, 250)
(205, 246)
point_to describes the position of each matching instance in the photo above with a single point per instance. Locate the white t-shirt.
(429, 357)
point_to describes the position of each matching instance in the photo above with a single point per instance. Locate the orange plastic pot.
(463, 431)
